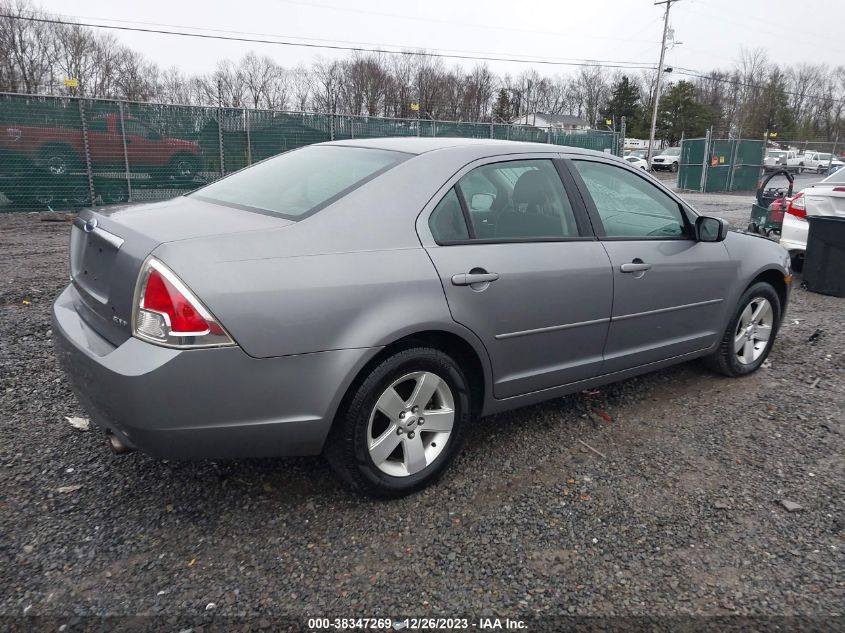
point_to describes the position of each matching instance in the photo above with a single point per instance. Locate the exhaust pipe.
(117, 446)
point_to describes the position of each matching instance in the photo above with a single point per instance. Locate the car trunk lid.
(109, 246)
(825, 200)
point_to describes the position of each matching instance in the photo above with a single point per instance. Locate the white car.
(826, 197)
(820, 162)
(667, 159)
(636, 161)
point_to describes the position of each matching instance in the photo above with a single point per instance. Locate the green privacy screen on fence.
(725, 164)
(75, 152)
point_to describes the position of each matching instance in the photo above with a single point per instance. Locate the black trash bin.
(824, 261)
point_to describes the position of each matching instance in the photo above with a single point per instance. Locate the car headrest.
(530, 189)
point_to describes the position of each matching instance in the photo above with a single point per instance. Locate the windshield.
(672, 151)
(300, 182)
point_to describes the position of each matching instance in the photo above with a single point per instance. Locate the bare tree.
(26, 64)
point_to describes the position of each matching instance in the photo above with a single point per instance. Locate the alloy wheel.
(753, 330)
(410, 424)
(57, 165)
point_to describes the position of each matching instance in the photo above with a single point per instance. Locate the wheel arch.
(470, 355)
(774, 277)
(55, 144)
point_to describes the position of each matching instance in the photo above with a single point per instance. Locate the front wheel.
(184, 166)
(750, 334)
(674, 167)
(403, 425)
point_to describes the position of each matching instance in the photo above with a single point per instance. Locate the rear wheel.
(184, 166)
(58, 160)
(403, 425)
(674, 167)
(113, 192)
(750, 334)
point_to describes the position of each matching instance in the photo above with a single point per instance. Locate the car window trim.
(595, 217)
(464, 208)
(582, 220)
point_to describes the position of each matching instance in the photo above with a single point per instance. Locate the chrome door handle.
(468, 279)
(634, 267)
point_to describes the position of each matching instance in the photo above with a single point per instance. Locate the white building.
(555, 121)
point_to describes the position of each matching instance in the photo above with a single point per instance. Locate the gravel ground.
(681, 516)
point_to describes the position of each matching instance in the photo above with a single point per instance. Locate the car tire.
(796, 261)
(386, 456)
(742, 349)
(674, 167)
(58, 160)
(184, 166)
(113, 192)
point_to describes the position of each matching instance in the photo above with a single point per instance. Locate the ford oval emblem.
(90, 225)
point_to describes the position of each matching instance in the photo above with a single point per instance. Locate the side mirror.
(709, 229)
(482, 201)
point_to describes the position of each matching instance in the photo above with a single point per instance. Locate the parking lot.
(676, 510)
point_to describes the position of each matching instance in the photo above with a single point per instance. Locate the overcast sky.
(711, 31)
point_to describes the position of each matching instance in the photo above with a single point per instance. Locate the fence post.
(549, 134)
(220, 142)
(734, 156)
(125, 154)
(86, 146)
(491, 126)
(248, 142)
(705, 162)
(622, 132)
(331, 125)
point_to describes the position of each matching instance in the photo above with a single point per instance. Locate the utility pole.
(668, 4)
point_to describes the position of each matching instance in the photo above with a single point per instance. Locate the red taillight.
(169, 314)
(797, 207)
(161, 296)
(840, 189)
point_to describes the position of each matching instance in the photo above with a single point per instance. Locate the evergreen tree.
(502, 107)
(624, 101)
(681, 114)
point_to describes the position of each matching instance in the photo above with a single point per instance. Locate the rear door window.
(515, 200)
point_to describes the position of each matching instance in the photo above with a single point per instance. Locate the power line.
(349, 9)
(424, 53)
(362, 49)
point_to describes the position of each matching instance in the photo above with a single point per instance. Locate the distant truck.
(61, 151)
(820, 162)
(776, 159)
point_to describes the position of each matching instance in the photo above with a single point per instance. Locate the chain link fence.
(720, 165)
(74, 152)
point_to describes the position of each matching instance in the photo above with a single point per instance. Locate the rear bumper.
(793, 234)
(204, 403)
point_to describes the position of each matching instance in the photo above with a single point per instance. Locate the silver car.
(369, 299)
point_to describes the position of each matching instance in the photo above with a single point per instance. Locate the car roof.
(481, 146)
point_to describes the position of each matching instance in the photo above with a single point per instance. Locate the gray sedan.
(369, 299)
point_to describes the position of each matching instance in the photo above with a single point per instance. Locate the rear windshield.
(300, 182)
(672, 151)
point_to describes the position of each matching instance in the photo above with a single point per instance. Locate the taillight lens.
(168, 313)
(797, 207)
